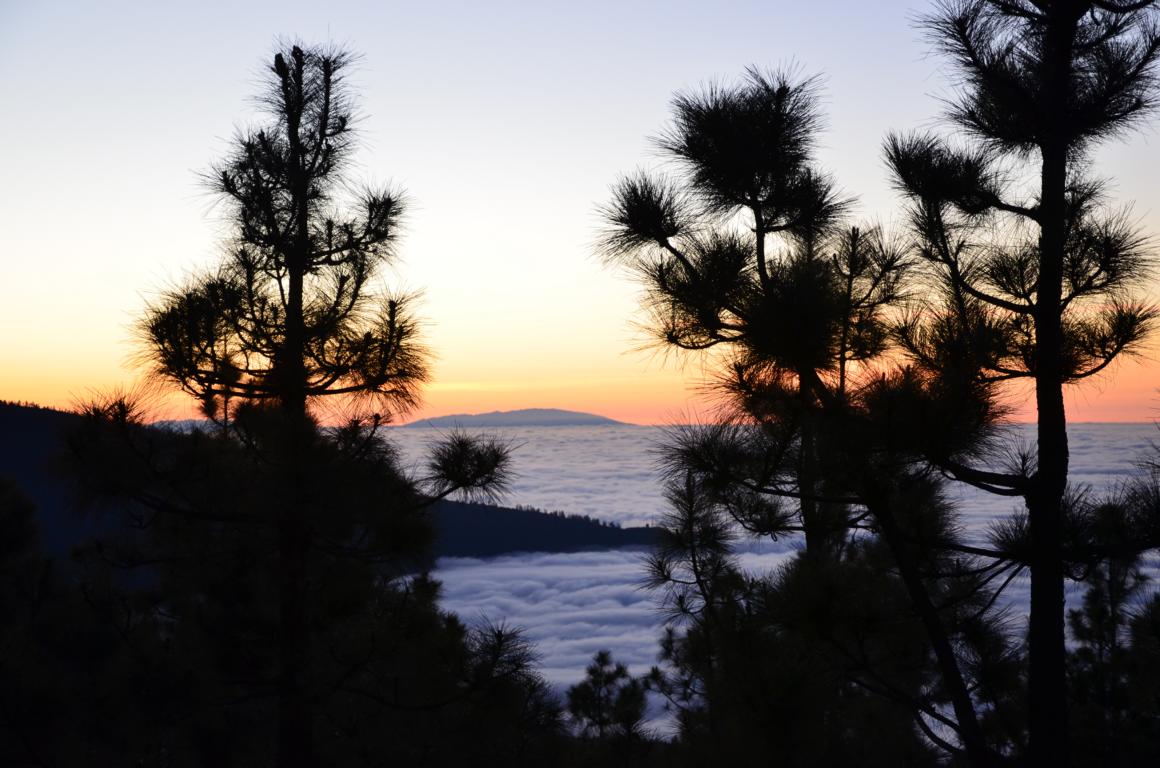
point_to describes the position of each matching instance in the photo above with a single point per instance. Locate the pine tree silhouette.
(317, 521)
(745, 243)
(811, 417)
(1035, 268)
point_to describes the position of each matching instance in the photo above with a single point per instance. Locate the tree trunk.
(1047, 684)
(812, 523)
(295, 720)
(295, 744)
(970, 732)
(295, 747)
(822, 524)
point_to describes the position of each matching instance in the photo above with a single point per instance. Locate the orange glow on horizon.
(1126, 394)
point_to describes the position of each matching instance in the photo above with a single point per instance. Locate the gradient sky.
(506, 123)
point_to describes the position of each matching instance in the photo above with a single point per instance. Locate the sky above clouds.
(506, 123)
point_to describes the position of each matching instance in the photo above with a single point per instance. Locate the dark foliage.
(1032, 274)
(880, 625)
(258, 599)
(608, 703)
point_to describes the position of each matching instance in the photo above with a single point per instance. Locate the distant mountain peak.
(524, 417)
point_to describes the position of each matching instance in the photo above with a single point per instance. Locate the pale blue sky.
(506, 122)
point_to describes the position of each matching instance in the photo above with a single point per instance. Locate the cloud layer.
(605, 472)
(573, 605)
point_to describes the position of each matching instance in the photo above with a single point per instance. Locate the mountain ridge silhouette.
(522, 417)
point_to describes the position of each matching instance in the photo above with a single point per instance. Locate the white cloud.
(573, 605)
(605, 472)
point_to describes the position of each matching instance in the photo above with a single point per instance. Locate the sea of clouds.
(607, 472)
(572, 605)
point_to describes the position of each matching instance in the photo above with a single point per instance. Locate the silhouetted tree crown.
(746, 241)
(290, 313)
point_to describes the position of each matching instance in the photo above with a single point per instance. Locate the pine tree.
(1035, 268)
(746, 242)
(743, 254)
(272, 508)
(608, 702)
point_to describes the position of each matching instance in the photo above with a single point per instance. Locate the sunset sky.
(506, 122)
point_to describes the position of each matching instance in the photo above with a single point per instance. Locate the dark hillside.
(31, 440)
(482, 530)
